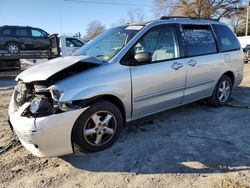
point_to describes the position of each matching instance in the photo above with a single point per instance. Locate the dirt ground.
(190, 146)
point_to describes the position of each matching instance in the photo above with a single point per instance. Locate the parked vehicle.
(69, 45)
(12, 60)
(80, 102)
(14, 39)
(244, 41)
(246, 50)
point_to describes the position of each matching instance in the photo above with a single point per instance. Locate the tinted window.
(226, 38)
(37, 33)
(22, 32)
(198, 40)
(71, 42)
(161, 43)
(7, 31)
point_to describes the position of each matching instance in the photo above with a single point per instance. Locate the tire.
(13, 48)
(222, 88)
(245, 62)
(90, 134)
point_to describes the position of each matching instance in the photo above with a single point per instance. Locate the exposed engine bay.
(40, 99)
(44, 99)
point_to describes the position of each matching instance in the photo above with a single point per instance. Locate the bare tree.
(238, 21)
(94, 28)
(198, 8)
(136, 15)
(133, 15)
(121, 21)
(78, 35)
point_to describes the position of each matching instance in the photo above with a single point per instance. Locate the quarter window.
(161, 43)
(7, 32)
(198, 40)
(226, 38)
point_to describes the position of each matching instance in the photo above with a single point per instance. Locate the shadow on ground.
(191, 139)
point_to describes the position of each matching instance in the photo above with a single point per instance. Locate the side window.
(22, 32)
(161, 43)
(198, 40)
(226, 38)
(71, 42)
(37, 33)
(7, 32)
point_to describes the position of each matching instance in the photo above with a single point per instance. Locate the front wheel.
(222, 92)
(97, 128)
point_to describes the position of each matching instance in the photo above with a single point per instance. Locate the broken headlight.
(40, 105)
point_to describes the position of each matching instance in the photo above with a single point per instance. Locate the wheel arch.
(13, 41)
(230, 74)
(87, 102)
(114, 100)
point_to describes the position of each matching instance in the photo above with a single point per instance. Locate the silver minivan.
(81, 102)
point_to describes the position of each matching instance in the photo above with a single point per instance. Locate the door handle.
(176, 65)
(192, 63)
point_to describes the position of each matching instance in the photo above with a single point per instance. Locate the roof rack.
(185, 17)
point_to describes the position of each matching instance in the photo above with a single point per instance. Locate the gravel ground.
(190, 146)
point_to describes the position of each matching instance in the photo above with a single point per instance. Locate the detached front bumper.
(46, 136)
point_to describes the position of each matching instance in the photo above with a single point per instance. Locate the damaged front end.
(44, 96)
(42, 122)
(43, 101)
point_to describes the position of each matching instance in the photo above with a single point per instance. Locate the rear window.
(226, 38)
(198, 40)
(7, 31)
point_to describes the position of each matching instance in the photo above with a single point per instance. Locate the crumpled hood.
(43, 71)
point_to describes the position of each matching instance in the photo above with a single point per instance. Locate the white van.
(68, 45)
(80, 102)
(244, 41)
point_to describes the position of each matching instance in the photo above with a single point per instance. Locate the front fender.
(79, 94)
(95, 91)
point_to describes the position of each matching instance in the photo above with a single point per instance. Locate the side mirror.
(143, 57)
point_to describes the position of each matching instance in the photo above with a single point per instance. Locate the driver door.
(159, 84)
(40, 40)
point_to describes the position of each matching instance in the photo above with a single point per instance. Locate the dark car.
(247, 48)
(14, 39)
(247, 53)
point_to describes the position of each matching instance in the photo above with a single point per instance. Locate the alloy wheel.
(13, 49)
(100, 128)
(224, 91)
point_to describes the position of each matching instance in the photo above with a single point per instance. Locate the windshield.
(108, 44)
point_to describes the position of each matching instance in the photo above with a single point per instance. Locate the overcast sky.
(75, 15)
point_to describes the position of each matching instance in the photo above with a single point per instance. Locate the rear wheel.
(13, 48)
(222, 92)
(97, 128)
